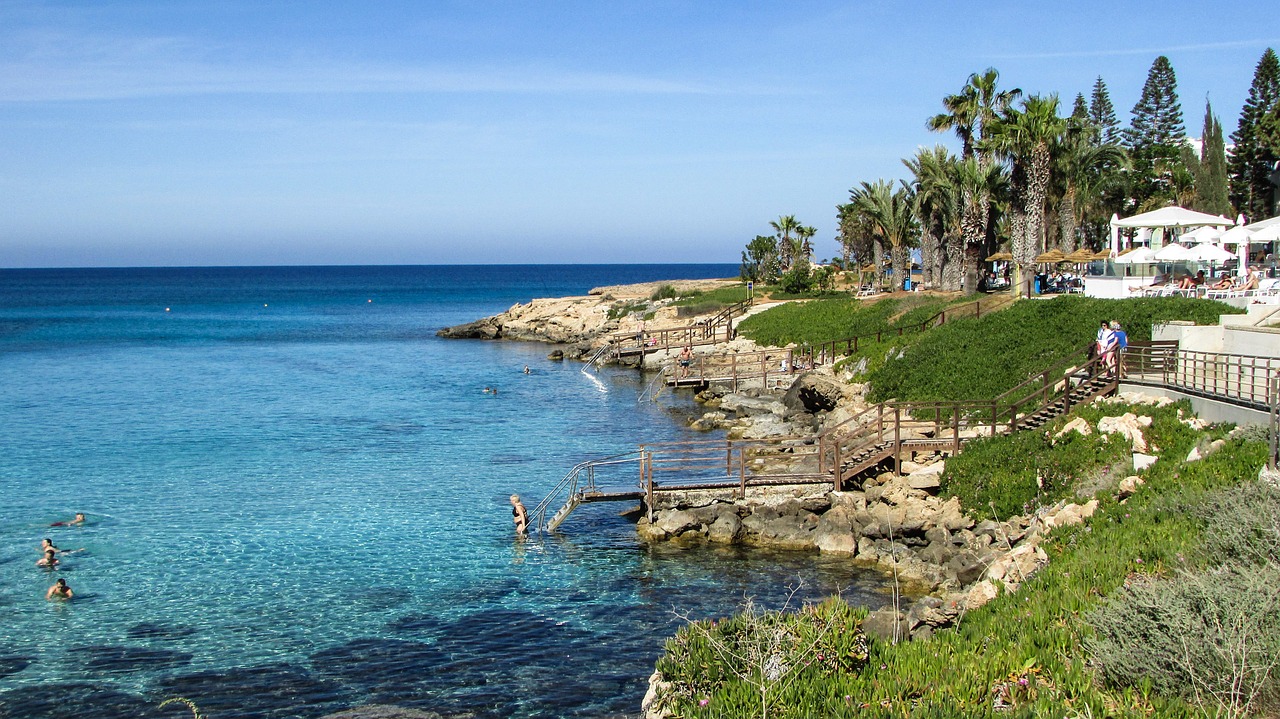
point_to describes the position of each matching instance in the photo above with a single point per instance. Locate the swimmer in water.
(519, 515)
(50, 559)
(79, 520)
(46, 544)
(59, 590)
(526, 370)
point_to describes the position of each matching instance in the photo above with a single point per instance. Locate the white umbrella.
(1142, 255)
(1270, 233)
(1171, 217)
(1208, 253)
(1239, 233)
(1172, 252)
(1202, 234)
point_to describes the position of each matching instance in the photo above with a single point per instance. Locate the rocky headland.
(584, 322)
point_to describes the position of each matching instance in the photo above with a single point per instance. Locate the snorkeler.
(519, 515)
(79, 520)
(59, 590)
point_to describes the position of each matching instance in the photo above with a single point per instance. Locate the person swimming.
(46, 544)
(49, 560)
(59, 590)
(79, 520)
(526, 370)
(519, 515)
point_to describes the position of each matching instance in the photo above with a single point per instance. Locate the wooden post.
(897, 442)
(742, 473)
(955, 430)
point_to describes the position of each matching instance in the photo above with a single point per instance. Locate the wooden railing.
(827, 351)
(735, 367)
(883, 429)
(717, 328)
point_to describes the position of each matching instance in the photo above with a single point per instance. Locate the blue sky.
(239, 133)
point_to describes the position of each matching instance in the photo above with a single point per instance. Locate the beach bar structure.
(1153, 248)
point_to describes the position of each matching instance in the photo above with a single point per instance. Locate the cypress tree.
(1156, 136)
(1252, 160)
(1211, 175)
(1103, 114)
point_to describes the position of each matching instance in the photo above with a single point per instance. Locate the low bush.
(664, 292)
(754, 662)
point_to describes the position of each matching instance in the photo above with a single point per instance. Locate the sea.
(297, 499)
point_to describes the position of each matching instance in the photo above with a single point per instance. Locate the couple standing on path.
(1111, 341)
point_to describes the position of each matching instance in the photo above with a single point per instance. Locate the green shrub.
(758, 659)
(1212, 637)
(664, 292)
(622, 309)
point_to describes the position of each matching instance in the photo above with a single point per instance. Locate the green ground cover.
(1026, 654)
(824, 320)
(979, 358)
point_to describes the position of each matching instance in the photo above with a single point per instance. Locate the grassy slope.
(1038, 634)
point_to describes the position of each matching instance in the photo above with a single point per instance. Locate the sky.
(174, 133)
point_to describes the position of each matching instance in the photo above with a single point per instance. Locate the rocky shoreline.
(897, 524)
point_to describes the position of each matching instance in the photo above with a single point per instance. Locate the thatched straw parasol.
(999, 257)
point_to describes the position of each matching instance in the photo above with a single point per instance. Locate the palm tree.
(937, 209)
(1026, 138)
(805, 236)
(784, 226)
(971, 112)
(977, 186)
(1083, 167)
(890, 214)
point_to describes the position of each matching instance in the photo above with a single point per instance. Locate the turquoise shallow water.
(297, 499)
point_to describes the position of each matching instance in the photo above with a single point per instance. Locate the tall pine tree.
(1155, 138)
(1252, 160)
(1080, 111)
(1211, 170)
(1103, 114)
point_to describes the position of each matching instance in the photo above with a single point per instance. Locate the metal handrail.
(568, 485)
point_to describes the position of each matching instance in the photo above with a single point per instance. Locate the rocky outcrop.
(894, 524)
(559, 320)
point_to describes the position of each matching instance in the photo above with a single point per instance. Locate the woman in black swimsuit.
(518, 514)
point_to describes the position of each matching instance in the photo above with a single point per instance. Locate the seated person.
(1250, 280)
(1222, 284)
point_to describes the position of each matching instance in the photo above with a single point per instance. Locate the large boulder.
(813, 392)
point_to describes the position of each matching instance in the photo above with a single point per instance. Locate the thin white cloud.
(56, 68)
(1118, 52)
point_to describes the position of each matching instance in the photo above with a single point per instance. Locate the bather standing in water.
(49, 560)
(59, 590)
(519, 515)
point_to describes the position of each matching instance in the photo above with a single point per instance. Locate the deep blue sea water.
(297, 499)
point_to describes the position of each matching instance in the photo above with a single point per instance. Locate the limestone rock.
(882, 624)
(980, 593)
(1128, 425)
(1142, 461)
(1128, 486)
(1079, 424)
(725, 529)
(814, 392)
